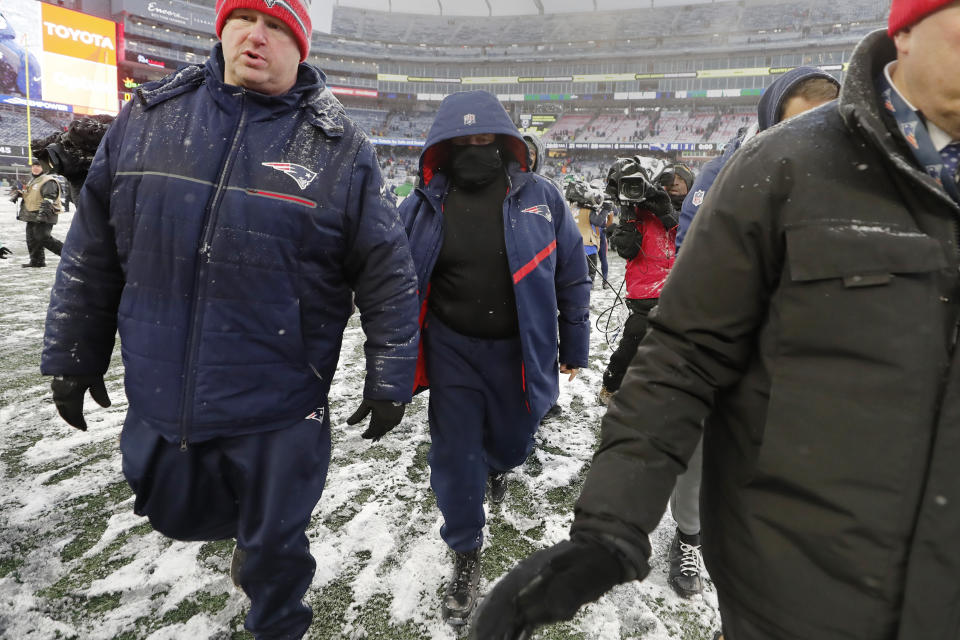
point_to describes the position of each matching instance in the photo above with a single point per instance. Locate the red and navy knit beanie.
(906, 13)
(294, 13)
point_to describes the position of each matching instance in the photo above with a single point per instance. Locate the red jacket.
(647, 272)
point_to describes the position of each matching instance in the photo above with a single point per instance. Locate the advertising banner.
(183, 14)
(79, 60)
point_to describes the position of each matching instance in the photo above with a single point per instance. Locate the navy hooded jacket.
(544, 248)
(768, 114)
(222, 230)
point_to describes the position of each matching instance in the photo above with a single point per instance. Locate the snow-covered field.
(75, 562)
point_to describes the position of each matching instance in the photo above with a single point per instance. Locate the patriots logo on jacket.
(300, 174)
(909, 130)
(935, 171)
(698, 197)
(316, 415)
(539, 209)
(887, 102)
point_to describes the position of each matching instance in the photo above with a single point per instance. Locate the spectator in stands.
(793, 93)
(504, 285)
(825, 378)
(40, 208)
(231, 290)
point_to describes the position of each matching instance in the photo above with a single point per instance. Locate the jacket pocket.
(860, 255)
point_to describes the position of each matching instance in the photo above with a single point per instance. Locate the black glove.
(4, 252)
(386, 415)
(549, 586)
(626, 239)
(68, 396)
(46, 209)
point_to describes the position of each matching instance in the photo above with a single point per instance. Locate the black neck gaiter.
(474, 166)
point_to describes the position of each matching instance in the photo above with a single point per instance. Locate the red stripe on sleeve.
(522, 272)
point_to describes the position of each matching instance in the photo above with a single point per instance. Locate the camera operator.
(39, 208)
(585, 202)
(644, 237)
(677, 180)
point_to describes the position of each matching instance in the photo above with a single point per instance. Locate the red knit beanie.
(294, 13)
(906, 13)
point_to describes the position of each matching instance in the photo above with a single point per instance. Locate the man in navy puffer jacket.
(227, 218)
(505, 294)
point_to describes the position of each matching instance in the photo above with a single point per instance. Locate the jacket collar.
(310, 92)
(859, 107)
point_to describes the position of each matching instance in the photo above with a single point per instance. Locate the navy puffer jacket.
(222, 230)
(544, 248)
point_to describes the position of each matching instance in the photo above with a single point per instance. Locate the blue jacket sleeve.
(691, 204)
(81, 321)
(380, 270)
(573, 286)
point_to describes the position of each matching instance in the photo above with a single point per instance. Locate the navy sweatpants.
(479, 423)
(259, 489)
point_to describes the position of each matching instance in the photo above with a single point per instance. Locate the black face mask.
(474, 166)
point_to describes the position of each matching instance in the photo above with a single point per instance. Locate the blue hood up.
(768, 110)
(463, 114)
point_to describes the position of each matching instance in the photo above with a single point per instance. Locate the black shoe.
(28, 265)
(460, 597)
(685, 565)
(236, 565)
(498, 486)
(553, 412)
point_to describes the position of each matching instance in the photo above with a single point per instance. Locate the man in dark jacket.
(506, 301)
(40, 208)
(228, 270)
(793, 93)
(811, 323)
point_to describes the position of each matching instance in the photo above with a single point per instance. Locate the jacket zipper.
(199, 283)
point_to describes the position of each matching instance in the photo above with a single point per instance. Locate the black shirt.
(471, 290)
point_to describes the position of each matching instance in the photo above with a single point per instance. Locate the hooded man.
(229, 271)
(535, 151)
(40, 207)
(505, 305)
(809, 332)
(794, 92)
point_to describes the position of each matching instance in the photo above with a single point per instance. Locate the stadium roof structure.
(506, 7)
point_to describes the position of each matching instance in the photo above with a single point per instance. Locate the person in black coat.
(808, 330)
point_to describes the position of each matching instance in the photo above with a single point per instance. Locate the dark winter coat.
(226, 229)
(544, 250)
(768, 114)
(812, 322)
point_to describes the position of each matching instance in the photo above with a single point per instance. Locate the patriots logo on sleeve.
(301, 175)
(541, 210)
